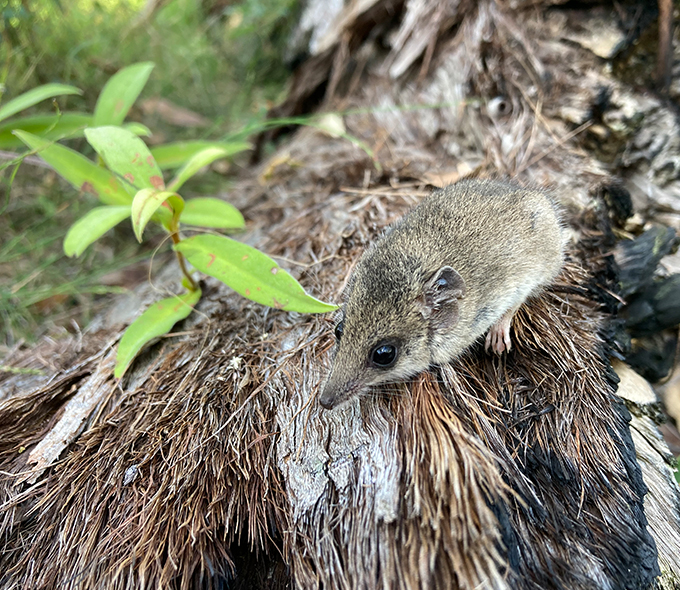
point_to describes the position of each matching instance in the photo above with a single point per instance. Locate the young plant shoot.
(131, 185)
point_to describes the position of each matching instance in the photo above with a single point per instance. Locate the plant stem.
(182, 262)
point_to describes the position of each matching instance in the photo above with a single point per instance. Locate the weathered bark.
(212, 464)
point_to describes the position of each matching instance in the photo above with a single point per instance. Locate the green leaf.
(137, 129)
(46, 126)
(209, 212)
(91, 227)
(34, 96)
(126, 155)
(55, 127)
(174, 155)
(195, 163)
(145, 204)
(120, 93)
(154, 322)
(83, 174)
(249, 272)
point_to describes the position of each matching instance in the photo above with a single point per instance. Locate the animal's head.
(383, 334)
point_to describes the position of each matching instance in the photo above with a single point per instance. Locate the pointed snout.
(336, 391)
(327, 398)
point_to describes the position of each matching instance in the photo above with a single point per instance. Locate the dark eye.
(338, 329)
(384, 355)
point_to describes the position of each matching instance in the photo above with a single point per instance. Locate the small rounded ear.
(439, 302)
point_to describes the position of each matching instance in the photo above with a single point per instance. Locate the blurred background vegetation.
(219, 67)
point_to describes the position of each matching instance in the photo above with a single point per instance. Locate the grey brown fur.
(458, 265)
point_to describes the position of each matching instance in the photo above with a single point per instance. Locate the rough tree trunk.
(212, 465)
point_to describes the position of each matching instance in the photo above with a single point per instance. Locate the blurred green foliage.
(221, 59)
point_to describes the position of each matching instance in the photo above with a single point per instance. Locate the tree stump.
(211, 465)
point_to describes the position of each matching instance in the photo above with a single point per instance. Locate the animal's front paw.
(498, 338)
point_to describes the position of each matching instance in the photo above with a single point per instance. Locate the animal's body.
(455, 267)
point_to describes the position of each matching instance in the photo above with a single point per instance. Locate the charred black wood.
(638, 259)
(618, 200)
(653, 356)
(654, 309)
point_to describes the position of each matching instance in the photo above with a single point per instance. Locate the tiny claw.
(498, 338)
